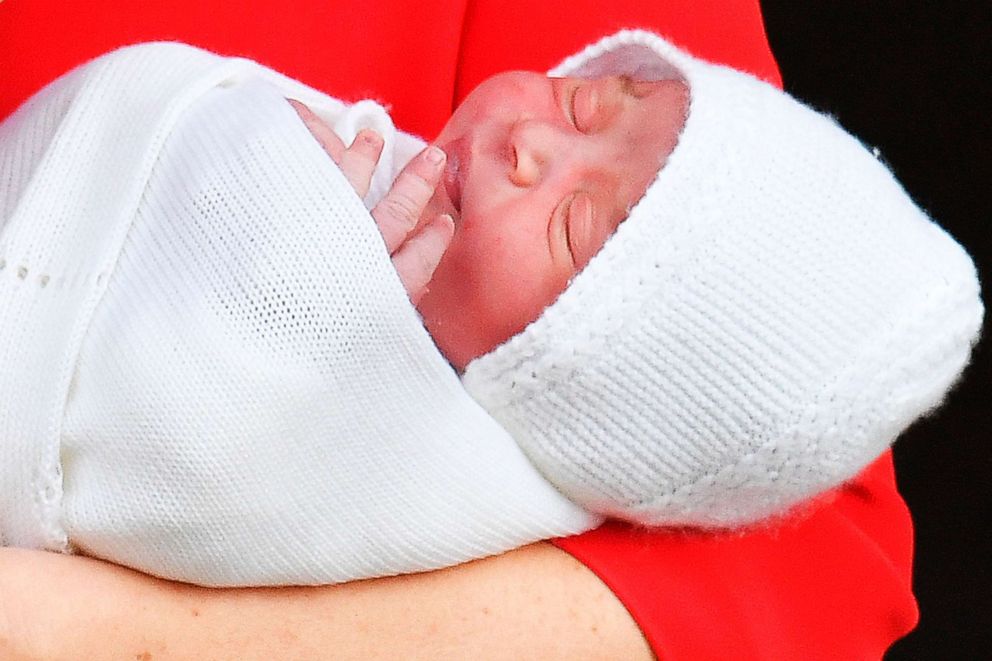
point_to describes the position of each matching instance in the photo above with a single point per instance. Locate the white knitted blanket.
(211, 371)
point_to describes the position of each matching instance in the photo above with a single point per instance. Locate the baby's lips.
(452, 183)
(456, 169)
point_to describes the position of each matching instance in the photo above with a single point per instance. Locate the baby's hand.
(415, 252)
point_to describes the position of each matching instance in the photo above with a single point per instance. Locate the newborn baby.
(217, 376)
(540, 172)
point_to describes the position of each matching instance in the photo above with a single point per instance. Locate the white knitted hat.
(771, 315)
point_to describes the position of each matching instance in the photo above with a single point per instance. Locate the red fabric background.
(420, 57)
(834, 584)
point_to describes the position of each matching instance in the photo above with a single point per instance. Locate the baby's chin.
(454, 314)
(440, 315)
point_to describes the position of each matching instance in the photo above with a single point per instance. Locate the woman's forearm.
(536, 602)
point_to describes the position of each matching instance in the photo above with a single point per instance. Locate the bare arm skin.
(533, 603)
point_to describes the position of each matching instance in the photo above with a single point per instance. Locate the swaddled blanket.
(211, 371)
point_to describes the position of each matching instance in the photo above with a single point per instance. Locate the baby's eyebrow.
(629, 87)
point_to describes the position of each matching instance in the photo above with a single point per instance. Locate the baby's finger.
(321, 132)
(359, 160)
(398, 212)
(416, 259)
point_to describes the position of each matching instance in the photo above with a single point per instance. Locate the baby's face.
(540, 172)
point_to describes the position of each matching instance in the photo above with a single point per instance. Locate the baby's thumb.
(416, 260)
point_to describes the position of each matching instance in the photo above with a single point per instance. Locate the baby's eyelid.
(566, 221)
(584, 108)
(558, 226)
(570, 107)
(578, 218)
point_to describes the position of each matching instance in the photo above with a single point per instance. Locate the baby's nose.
(531, 145)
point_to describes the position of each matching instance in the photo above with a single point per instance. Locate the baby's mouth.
(454, 172)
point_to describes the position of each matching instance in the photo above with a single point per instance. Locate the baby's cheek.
(493, 281)
(521, 299)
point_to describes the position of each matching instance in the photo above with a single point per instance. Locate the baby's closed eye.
(570, 229)
(583, 107)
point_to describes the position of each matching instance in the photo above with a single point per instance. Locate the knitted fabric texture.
(211, 371)
(771, 315)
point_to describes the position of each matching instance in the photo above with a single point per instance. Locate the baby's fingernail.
(434, 155)
(370, 137)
